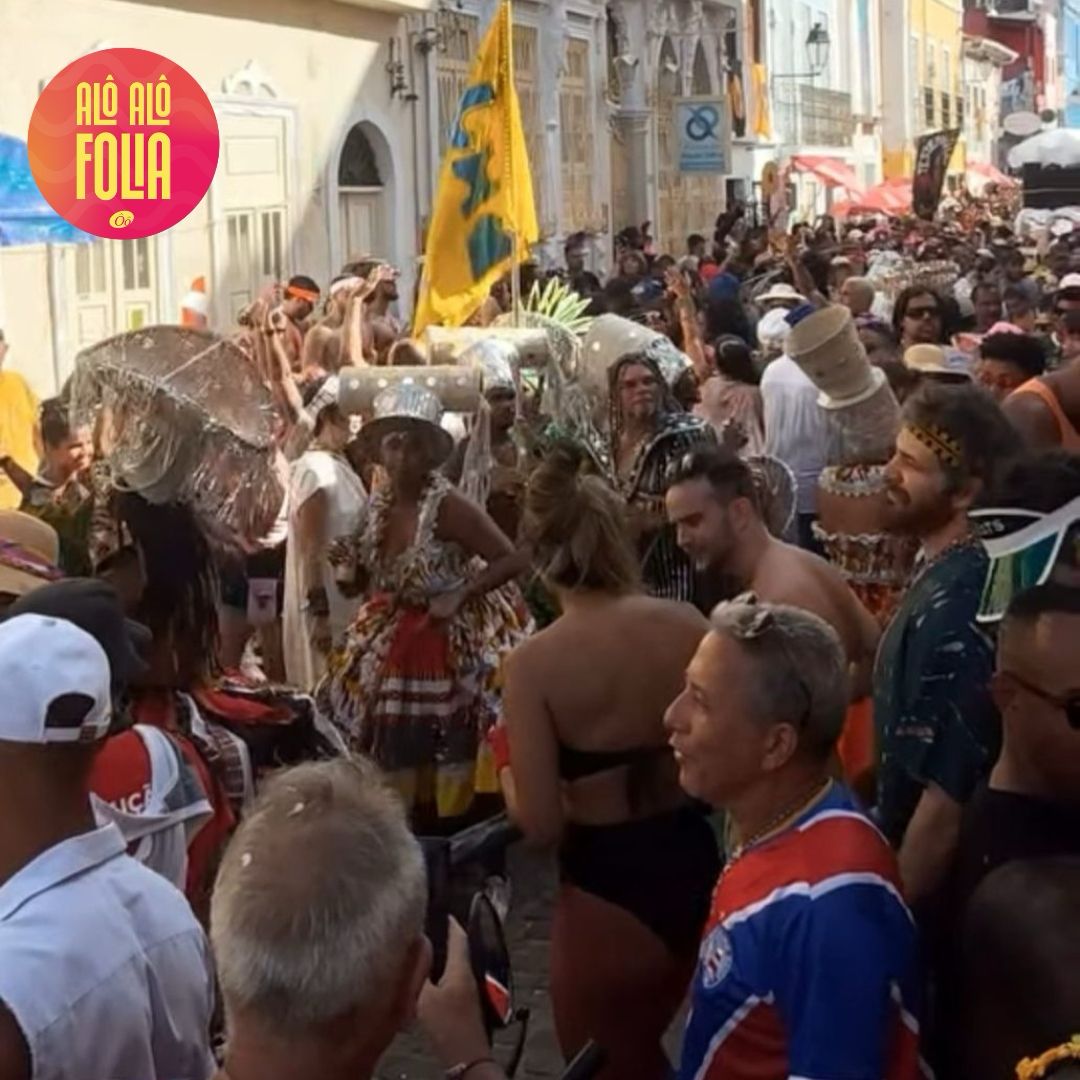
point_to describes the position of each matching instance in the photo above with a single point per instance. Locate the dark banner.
(932, 154)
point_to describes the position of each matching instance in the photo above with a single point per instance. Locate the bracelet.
(460, 1071)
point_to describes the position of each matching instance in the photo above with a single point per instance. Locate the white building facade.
(316, 162)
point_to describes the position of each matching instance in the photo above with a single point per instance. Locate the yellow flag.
(484, 218)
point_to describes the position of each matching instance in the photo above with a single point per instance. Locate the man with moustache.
(938, 728)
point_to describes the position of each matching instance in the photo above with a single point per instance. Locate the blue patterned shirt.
(935, 717)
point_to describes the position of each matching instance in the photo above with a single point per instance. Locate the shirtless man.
(300, 297)
(381, 328)
(341, 338)
(1046, 410)
(712, 504)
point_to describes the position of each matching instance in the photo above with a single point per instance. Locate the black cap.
(93, 606)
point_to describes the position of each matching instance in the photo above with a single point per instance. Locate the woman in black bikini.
(590, 769)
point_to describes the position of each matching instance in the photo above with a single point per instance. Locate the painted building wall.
(983, 63)
(1023, 80)
(561, 71)
(922, 84)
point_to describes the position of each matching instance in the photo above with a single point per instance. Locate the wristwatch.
(462, 1070)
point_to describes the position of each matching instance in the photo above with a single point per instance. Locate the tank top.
(1070, 437)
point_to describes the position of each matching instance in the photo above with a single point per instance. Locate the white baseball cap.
(46, 666)
(1069, 282)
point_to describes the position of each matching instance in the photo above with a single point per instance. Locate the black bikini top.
(577, 764)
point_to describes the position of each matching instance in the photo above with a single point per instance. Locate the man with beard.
(381, 327)
(713, 505)
(938, 729)
(649, 432)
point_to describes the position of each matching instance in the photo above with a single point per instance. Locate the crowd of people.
(774, 649)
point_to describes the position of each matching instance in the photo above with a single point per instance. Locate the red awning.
(835, 173)
(888, 197)
(989, 173)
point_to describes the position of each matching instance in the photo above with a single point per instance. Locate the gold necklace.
(790, 812)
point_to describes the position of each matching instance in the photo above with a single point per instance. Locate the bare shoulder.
(458, 515)
(528, 660)
(798, 578)
(1032, 418)
(674, 615)
(455, 506)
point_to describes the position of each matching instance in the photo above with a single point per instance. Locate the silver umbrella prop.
(180, 416)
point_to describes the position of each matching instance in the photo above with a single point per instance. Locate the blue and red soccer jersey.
(809, 964)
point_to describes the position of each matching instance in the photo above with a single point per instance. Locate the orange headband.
(301, 293)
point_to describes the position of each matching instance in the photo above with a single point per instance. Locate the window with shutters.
(527, 83)
(460, 37)
(578, 211)
(90, 277)
(115, 284)
(256, 245)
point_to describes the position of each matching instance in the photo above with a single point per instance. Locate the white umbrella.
(1058, 146)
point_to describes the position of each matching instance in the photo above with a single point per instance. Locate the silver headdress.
(181, 416)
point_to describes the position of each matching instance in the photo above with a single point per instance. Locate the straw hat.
(411, 408)
(29, 553)
(825, 344)
(934, 360)
(781, 293)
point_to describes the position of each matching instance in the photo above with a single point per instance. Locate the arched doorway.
(362, 194)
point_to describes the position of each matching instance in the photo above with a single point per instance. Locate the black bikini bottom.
(662, 870)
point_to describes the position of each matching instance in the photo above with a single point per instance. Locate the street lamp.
(817, 49)
(817, 54)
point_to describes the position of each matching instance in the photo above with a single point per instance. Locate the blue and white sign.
(704, 135)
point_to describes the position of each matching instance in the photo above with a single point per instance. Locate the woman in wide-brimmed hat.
(414, 684)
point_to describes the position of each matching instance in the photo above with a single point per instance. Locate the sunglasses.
(1069, 705)
(922, 313)
(1024, 547)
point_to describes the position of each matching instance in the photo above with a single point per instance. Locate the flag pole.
(515, 288)
(506, 12)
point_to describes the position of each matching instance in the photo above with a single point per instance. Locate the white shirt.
(796, 429)
(104, 967)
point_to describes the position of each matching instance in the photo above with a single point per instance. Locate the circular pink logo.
(123, 143)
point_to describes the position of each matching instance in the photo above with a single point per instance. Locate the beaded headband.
(939, 442)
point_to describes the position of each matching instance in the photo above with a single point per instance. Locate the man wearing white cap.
(104, 970)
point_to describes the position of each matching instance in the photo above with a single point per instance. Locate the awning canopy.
(834, 172)
(889, 197)
(25, 216)
(986, 173)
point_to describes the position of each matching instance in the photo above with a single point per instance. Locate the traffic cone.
(195, 306)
